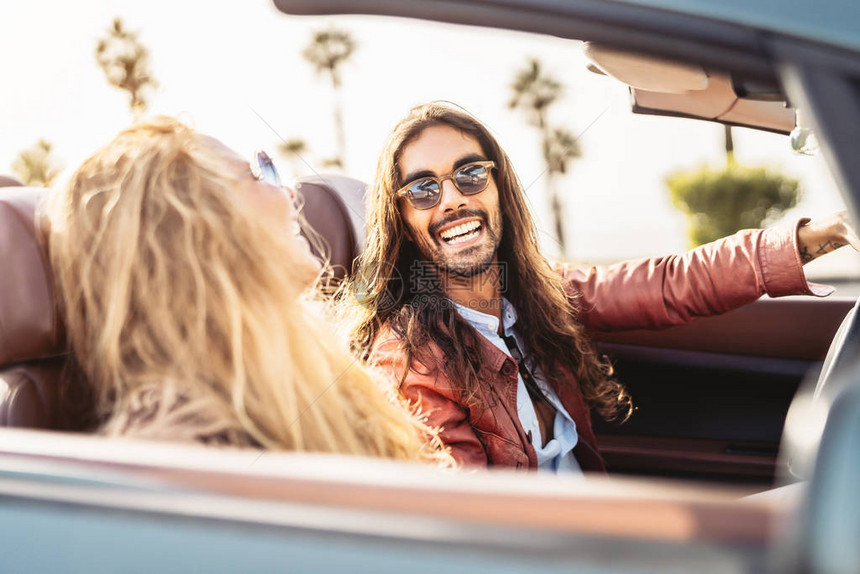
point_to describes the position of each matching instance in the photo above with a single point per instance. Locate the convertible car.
(763, 399)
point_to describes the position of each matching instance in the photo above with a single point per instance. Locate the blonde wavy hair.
(187, 317)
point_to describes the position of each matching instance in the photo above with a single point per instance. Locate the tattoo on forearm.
(805, 255)
(828, 247)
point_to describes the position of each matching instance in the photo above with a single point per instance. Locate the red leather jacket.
(645, 294)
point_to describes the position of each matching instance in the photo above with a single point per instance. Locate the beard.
(469, 262)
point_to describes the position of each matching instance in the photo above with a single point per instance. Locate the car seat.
(32, 349)
(9, 181)
(334, 208)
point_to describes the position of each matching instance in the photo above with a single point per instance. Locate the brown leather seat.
(334, 207)
(32, 351)
(9, 181)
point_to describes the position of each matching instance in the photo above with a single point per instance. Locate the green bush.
(721, 202)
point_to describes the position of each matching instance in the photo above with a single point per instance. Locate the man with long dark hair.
(456, 303)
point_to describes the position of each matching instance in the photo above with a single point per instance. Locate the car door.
(711, 397)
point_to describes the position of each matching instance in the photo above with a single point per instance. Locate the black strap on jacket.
(531, 385)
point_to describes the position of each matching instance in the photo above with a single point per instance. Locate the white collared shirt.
(557, 455)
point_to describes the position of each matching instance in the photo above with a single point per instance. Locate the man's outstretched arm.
(711, 279)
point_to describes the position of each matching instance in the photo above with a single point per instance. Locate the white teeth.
(462, 238)
(449, 234)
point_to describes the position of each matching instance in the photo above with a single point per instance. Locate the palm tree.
(332, 163)
(293, 149)
(125, 62)
(327, 52)
(560, 147)
(729, 145)
(534, 92)
(35, 166)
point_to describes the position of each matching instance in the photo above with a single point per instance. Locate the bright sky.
(218, 61)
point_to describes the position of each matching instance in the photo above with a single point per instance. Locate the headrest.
(29, 322)
(9, 181)
(334, 207)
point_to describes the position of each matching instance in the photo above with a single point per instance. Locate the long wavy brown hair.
(189, 316)
(383, 294)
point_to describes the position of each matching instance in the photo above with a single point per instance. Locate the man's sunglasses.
(263, 169)
(425, 193)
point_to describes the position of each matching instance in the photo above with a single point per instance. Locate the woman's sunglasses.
(425, 193)
(263, 169)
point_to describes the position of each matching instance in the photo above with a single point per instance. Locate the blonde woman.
(183, 280)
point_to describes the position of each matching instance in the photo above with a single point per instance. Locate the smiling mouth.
(461, 233)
